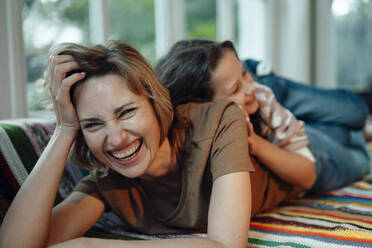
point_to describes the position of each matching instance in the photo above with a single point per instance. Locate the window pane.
(45, 23)
(236, 24)
(133, 21)
(352, 21)
(201, 18)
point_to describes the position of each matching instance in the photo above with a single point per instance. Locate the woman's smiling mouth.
(129, 152)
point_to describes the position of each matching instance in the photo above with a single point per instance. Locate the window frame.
(321, 70)
(13, 69)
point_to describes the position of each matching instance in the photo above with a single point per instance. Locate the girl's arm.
(293, 168)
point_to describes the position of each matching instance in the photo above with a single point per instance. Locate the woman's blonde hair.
(124, 60)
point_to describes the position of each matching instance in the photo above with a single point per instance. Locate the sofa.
(339, 218)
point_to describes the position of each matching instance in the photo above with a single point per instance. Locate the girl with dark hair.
(325, 147)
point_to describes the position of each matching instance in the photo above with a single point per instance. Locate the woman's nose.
(116, 134)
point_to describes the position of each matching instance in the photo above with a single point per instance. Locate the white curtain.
(13, 103)
(293, 35)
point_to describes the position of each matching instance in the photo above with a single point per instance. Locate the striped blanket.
(339, 218)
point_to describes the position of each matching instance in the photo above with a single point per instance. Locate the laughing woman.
(159, 171)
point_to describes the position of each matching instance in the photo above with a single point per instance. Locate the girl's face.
(120, 127)
(231, 81)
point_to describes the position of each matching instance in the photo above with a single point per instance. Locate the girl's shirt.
(280, 126)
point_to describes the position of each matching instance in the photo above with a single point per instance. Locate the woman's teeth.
(128, 152)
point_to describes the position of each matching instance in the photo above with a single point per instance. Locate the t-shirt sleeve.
(86, 185)
(89, 187)
(229, 151)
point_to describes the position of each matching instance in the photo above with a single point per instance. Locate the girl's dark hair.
(186, 71)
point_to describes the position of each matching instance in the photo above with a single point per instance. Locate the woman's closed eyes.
(93, 124)
(127, 113)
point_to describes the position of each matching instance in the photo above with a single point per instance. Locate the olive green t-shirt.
(180, 202)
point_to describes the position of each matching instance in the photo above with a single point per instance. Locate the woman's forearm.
(289, 166)
(161, 243)
(30, 211)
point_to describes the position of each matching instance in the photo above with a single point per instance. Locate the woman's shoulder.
(207, 117)
(211, 111)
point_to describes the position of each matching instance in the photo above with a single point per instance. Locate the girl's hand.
(59, 86)
(253, 138)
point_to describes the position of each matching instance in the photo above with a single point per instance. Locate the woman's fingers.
(56, 60)
(68, 82)
(59, 59)
(60, 86)
(59, 73)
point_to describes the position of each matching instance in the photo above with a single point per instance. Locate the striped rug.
(340, 218)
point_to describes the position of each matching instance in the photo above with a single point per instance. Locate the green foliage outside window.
(131, 21)
(201, 18)
(353, 45)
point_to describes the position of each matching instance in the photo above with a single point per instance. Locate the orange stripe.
(325, 218)
(310, 233)
(331, 215)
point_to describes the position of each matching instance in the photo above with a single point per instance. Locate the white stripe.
(353, 191)
(12, 158)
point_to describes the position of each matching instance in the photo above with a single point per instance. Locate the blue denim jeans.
(334, 119)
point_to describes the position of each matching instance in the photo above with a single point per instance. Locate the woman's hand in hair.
(59, 86)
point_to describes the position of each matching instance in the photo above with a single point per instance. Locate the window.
(49, 22)
(201, 18)
(45, 23)
(352, 20)
(133, 21)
